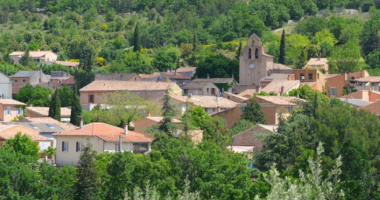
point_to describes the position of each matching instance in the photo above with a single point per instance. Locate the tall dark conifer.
(238, 52)
(87, 176)
(136, 39)
(55, 107)
(168, 113)
(25, 58)
(282, 57)
(76, 108)
(254, 113)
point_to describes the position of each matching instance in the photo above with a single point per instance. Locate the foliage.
(36, 96)
(241, 126)
(25, 60)
(313, 185)
(23, 144)
(166, 59)
(136, 39)
(76, 108)
(87, 175)
(282, 56)
(218, 66)
(55, 107)
(345, 58)
(253, 113)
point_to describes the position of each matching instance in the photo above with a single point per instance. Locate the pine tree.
(239, 50)
(87, 176)
(25, 58)
(168, 113)
(55, 107)
(195, 41)
(282, 57)
(253, 113)
(136, 39)
(76, 108)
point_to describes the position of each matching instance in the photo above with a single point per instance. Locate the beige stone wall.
(338, 82)
(231, 116)
(71, 157)
(11, 115)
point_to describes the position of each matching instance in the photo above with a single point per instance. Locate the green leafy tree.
(373, 59)
(282, 57)
(136, 39)
(166, 58)
(37, 96)
(55, 107)
(218, 66)
(345, 58)
(253, 113)
(23, 144)
(87, 175)
(76, 108)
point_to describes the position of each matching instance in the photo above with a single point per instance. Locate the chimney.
(126, 129)
(289, 77)
(121, 76)
(81, 123)
(208, 76)
(258, 89)
(218, 109)
(319, 56)
(31, 105)
(282, 90)
(148, 114)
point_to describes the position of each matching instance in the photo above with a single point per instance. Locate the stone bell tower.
(255, 63)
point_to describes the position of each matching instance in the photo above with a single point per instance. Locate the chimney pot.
(126, 129)
(148, 115)
(218, 109)
(81, 123)
(208, 76)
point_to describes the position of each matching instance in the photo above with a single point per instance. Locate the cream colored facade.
(71, 157)
(255, 63)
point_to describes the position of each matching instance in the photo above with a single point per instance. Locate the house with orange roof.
(313, 77)
(44, 112)
(103, 138)
(318, 63)
(117, 77)
(73, 65)
(23, 78)
(365, 100)
(95, 92)
(234, 97)
(10, 109)
(187, 71)
(8, 131)
(143, 124)
(276, 77)
(281, 87)
(211, 104)
(200, 88)
(336, 83)
(37, 56)
(48, 120)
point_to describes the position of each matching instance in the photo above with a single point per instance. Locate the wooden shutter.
(63, 146)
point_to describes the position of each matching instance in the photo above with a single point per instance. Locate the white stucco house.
(103, 137)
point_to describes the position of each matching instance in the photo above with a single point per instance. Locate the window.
(302, 76)
(333, 91)
(10, 110)
(310, 76)
(65, 146)
(208, 90)
(78, 147)
(91, 98)
(23, 80)
(140, 147)
(6, 111)
(16, 81)
(290, 109)
(249, 53)
(18, 111)
(257, 53)
(185, 91)
(117, 147)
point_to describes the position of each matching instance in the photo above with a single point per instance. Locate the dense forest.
(146, 36)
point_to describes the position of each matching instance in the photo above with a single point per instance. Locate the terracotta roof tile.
(276, 77)
(248, 92)
(159, 119)
(206, 101)
(114, 76)
(375, 79)
(67, 64)
(281, 66)
(66, 126)
(214, 80)
(11, 102)
(44, 111)
(105, 132)
(126, 85)
(196, 85)
(186, 69)
(281, 100)
(275, 86)
(176, 76)
(32, 133)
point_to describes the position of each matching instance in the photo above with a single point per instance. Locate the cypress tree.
(136, 39)
(282, 57)
(168, 113)
(87, 176)
(76, 108)
(55, 107)
(253, 113)
(238, 52)
(25, 58)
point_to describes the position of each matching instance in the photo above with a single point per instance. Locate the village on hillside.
(261, 81)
